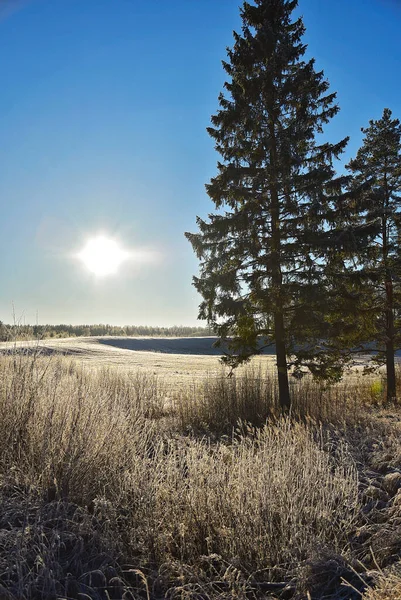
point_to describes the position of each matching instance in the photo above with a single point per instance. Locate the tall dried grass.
(216, 404)
(262, 503)
(387, 586)
(68, 432)
(95, 480)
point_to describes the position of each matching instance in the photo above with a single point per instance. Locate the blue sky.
(103, 111)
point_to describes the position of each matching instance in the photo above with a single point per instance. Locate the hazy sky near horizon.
(103, 111)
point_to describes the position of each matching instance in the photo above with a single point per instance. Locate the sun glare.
(102, 256)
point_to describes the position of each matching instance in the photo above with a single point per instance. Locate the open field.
(183, 360)
(176, 361)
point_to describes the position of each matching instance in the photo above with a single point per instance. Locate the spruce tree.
(377, 167)
(262, 251)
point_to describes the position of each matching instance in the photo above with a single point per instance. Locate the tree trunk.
(277, 281)
(282, 371)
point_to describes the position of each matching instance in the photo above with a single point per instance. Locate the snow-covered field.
(175, 360)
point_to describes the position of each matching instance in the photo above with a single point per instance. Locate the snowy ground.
(177, 361)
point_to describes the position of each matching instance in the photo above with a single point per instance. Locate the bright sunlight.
(102, 256)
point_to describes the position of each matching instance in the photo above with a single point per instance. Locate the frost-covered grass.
(111, 488)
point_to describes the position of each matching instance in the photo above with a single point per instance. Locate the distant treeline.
(18, 332)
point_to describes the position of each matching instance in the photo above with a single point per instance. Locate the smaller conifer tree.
(376, 171)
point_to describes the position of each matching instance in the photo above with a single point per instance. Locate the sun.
(102, 256)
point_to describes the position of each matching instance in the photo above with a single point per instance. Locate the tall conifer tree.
(377, 167)
(261, 252)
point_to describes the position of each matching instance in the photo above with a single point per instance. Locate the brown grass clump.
(67, 432)
(55, 550)
(216, 404)
(261, 503)
(387, 585)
